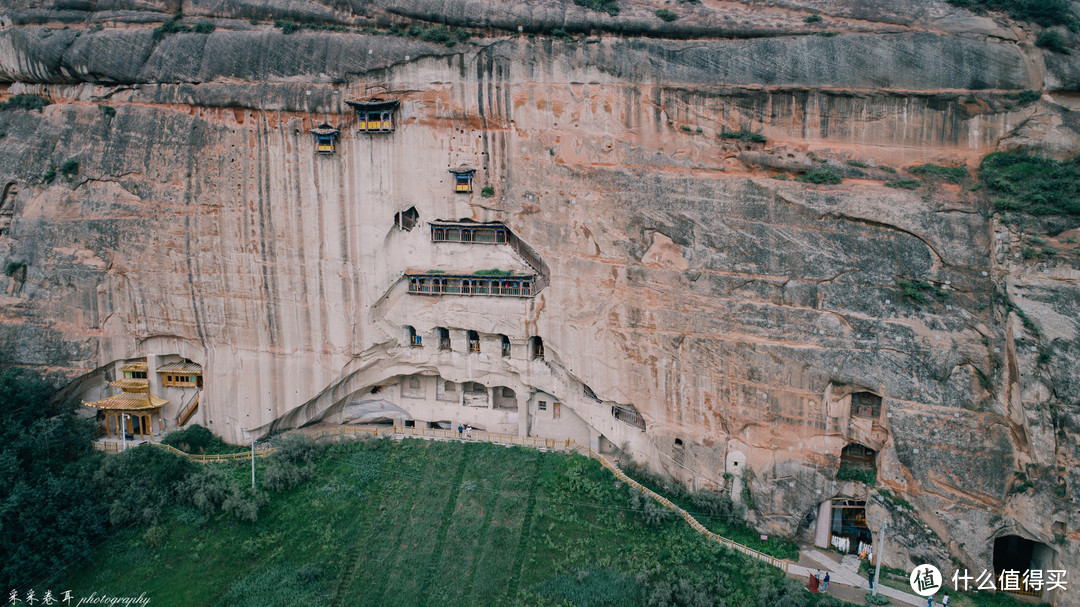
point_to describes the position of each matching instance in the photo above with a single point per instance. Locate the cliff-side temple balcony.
(134, 404)
(325, 136)
(463, 177)
(375, 115)
(482, 283)
(468, 232)
(184, 374)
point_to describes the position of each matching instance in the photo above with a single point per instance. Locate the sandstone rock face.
(739, 314)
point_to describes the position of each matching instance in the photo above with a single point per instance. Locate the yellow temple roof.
(183, 367)
(128, 384)
(128, 401)
(134, 366)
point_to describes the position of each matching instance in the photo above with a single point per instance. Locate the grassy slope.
(419, 523)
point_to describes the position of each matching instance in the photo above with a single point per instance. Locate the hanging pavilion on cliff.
(134, 403)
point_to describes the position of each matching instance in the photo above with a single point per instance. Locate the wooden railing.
(188, 410)
(220, 457)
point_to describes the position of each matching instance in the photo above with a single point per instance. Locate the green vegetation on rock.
(666, 15)
(1052, 40)
(862, 475)
(820, 176)
(610, 7)
(936, 171)
(1043, 12)
(26, 102)
(743, 136)
(904, 184)
(920, 291)
(1037, 185)
(487, 191)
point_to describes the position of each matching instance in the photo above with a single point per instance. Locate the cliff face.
(736, 311)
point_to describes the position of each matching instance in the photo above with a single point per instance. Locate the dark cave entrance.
(1015, 553)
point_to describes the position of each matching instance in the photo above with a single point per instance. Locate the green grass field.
(434, 523)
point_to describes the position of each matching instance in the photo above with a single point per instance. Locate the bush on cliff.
(1043, 12)
(1037, 185)
(610, 7)
(666, 15)
(820, 176)
(26, 102)
(1053, 41)
(197, 439)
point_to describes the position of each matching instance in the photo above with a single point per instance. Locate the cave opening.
(848, 527)
(1020, 554)
(858, 456)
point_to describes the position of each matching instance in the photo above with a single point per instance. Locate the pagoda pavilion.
(134, 401)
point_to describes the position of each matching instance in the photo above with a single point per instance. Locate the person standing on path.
(460, 428)
(945, 600)
(825, 588)
(468, 432)
(930, 601)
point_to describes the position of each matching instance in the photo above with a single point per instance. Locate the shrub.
(462, 35)
(197, 439)
(666, 15)
(1053, 41)
(487, 191)
(108, 110)
(610, 7)
(1026, 97)
(292, 463)
(244, 504)
(857, 164)
(287, 27)
(919, 291)
(904, 184)
(155, 536)
(439, 33)
(713, 504)
(26, 102)
(49, 175)
(743, 136)
(1043, 12)
(208, 489)
(172, 26)
(896, 501)
(651, 512)
(877, 599)
(203, 27)
(863, 475)
(681, 593)
(1031, 184)
(781, 592)
(15, 266)
(820, 176)
(815, 18)
(69, 169)
(950, 174)
(560, 33)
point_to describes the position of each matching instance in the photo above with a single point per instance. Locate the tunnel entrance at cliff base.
(848, 527)
(1015, 553)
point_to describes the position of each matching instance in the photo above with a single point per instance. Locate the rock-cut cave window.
(406, 220)
(865, 404)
